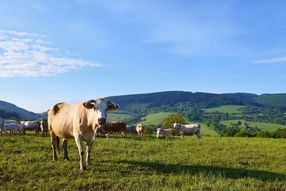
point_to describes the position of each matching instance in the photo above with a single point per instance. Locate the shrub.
(245, 133)
(264, 134)
(149, 131)
(171, 119)
(279, 133)
(231, 131)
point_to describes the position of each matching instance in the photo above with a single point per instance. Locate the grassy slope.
(118, 117)
(263, 126)
(216, 163)
(155, 118)
(231, 109)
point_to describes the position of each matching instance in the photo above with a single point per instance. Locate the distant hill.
(9, 110)
(181, 98)
(278, 100)
(169, 101)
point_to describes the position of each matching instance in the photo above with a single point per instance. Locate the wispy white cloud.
(271, 60)
(28, 55)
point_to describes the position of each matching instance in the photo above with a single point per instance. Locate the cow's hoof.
(83, 168)
(66, 159)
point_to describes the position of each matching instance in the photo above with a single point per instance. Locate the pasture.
(116, 116)
(263, 126)
(231, 109)
(147, 163)
(155, 118)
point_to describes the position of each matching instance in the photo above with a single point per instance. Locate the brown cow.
(115, 127)
(79, 121)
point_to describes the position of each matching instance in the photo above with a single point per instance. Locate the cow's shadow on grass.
(233, 173)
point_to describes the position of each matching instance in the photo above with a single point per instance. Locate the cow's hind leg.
(79, 144)
(53, 141)
(58, 143)
(65, 146)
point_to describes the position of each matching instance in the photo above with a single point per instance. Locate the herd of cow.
(13, 127)
(83, 122)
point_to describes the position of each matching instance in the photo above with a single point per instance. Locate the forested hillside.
(272, 99)
(9, 110)
(171, 99)
(189, 104)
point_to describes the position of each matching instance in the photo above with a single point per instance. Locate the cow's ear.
(89, 104)
(112, 106)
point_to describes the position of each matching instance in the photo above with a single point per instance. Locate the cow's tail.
(50, 116)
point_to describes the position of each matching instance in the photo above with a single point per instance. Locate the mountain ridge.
(167, 101)
(10, 110)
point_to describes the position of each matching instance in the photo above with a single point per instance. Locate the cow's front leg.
(182, 134)
(79, 144)
(88, 151)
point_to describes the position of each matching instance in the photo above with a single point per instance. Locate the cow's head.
(198, 131)
(101, 106)
(176, 125)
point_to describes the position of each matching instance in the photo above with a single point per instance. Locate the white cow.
(32, 125)
(13, 127)
(140, 129)
(79, 121)
(188, 129)
(164, 132)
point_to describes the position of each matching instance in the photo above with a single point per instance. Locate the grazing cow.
(188, 129)
(115, 127)
(140, 129)
(44, 126)
(79, 121)
(164, 132)
(13, 127)
(32, 125)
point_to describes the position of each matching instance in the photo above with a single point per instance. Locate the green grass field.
(231, 109)
(215, 163)
(155, 118)
(263, 126)
(112, 116)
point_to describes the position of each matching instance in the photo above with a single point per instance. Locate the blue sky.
(59, 50)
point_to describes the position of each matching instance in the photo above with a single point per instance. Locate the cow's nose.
(101, 121)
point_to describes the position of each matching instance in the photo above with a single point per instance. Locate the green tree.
(171, 119)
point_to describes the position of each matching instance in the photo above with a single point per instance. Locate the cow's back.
(60, 119)
(119, 126)
(189, 129)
